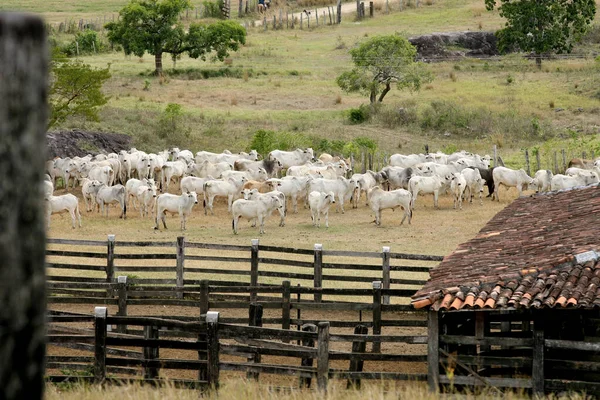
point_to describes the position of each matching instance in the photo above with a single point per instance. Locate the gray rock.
(472, 44)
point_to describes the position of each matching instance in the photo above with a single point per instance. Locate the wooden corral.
(517, 306)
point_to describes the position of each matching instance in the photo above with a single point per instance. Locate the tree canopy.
(75, 89)
(548, 26)
(152, 26)
(381, 62)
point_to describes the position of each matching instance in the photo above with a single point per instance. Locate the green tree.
(381, 62)
(152, 26)
(543, 26)
(75, 89)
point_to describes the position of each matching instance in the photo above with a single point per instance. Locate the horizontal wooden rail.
(234, 331)
(488, 341)
(76, 266)
(496, 382)
(160, 363)
(378, 376)
(64, 253)
(77, 242)
(572, 345)
(379, 338)
(269, 369)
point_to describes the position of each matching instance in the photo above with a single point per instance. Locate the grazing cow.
(342, 188)
(146, 196)
(89, 190)
(510, 178)
(62, 204)
(457, 187)
(560, 181)
(112, 194)
(173, 170)
(258, 209)
(206, 168)
(173, 204)
(426, 185)
(223, 188)
(381, 200)
(365, 182)
(254, 194)
(292, 158)
(542, 180)
(293, 187)
(319, 203)
(474, 184)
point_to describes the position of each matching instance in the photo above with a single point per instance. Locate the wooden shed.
(518, 306)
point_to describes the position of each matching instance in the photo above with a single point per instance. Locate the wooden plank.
(556, 385)
(100, 344)
(488, 341)
(69, 318)
(356, 364)
(218, 271)
(377, 376)
(227, 331)
(377, 314)
(359, 356)
(285, 305)
(286, 275)
(416, 257)
(379, 338)
(81, 254)
(77, 285)
(243, 260)
(537, 369)
(255, 319)
(147, 244)
(496, 382)
(306, 373)
(212, 341)
(73, 279)
(162, 343)
(287, 263)
(307, 362)
(159, 322)
(246, 351)
(385, 255)
(333, 306)
(323, 356)
(82, 267)
(588, 366)
(318, 270)
(180, 264)
(211, 246)
(572, 345)
(433, 352)
(487, 361)
(90, 339)
(146, 256)
(110, 260)
(76, 292)
(154, 365)
(288, 250)
(76, 242)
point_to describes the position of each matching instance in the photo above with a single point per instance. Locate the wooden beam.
(433, 352)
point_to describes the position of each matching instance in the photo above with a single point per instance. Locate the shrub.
(212, 9)
(394, 116)
(86, 42)
(360, 114)
(171, 126)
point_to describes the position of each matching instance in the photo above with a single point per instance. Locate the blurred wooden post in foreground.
(23, 119)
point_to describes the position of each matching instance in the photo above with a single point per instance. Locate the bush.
(86, 42)
(199, 73)
(171, 126)
(394, 116)
(360, 114)
(212, 9)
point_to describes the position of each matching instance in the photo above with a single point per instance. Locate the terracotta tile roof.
(537, 252)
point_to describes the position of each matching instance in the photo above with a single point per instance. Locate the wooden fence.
(213, 341)
(556, 161)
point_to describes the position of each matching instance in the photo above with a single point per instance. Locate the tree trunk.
(385, 91)
(373, 97)
(538, 61)
(158, 63)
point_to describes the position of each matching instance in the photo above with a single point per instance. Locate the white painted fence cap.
(318, 246)
(386, 249)
(254, 242)
(100, 312)
(122, 279)
(111, 238)
(376, 284)
(212, 316)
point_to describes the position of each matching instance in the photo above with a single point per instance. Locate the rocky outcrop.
(80, 143)
(441, 46)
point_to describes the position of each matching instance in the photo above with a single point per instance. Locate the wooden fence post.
(253, 268)
(202, 352)
(433, 351)
(555, 163)
(110, 260)
(212, 341)
(385, 255)
(583, 155)
(495, 156)
(180, 265)
(339, 11)
(527, 162)
(307, 361)
(370, 156)
(23, 118)
(240, 5)
(122, 295)
(537, 371)
(285, 306)
(323, 356)
(564, 160)
(537, 159)
(318, 271)
(255, 319)
(363, 168)
(371, 9)
(301, 21)
(100, 314)
(356, 364)
(377, 314)
(317, 16)
(150, 353)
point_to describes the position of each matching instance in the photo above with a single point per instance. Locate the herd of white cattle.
(255, 188)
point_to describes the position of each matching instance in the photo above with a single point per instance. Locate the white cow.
(381, 200)
(341, 187)
(406, 161)
(510, 178)
(474, 184)
(89, 190)
(132, 186)
(589, 174)
(291, 158)
(170, 203)
(146, 196)
(294, 187)
(542, 180)
(206, 168)
(560, 181)
(103, 174)
(319, 203)
(194, 184)
(458, 184)
(172, 170)
(259, 174)
(112, 194)
(254, 194)
(365, 181)
(230, 188)
(62, 204)
(258, 209)
(143, 166)
(48, 186)
(427, 185)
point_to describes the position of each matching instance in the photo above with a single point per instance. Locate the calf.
(474, 184)
(510, 178)
(172, 170)
(112, 194)
(170, 203)
(132, 186)
(254, 194)
(146, 196)
(381, 200)
(89, 190)
(319, 203)
(62, 204)
(457, 186)
(293, 187)
(365, 182)
(341, 187)
(258, 209)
